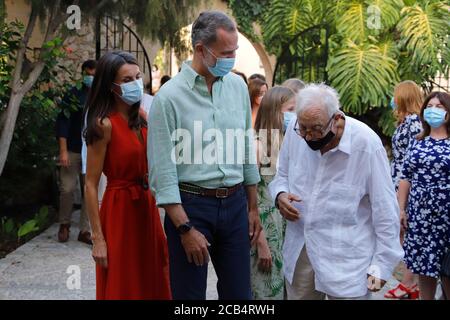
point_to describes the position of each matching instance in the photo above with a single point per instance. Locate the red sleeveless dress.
(138, 264)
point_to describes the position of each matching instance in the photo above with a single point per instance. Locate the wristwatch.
(276, 199)
(184, 228)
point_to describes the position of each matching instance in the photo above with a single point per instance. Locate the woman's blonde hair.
(409, 99)
(269, 115)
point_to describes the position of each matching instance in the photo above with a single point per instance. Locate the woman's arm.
(402, 197)
(95, 158)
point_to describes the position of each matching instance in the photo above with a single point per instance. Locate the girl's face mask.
(434, 116)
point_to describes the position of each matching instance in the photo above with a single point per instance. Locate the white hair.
(318, 95)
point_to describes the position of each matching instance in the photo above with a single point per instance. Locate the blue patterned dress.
(402, 139)
(427, 168)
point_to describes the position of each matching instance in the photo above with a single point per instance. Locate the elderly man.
(333, 186)
(211, 206)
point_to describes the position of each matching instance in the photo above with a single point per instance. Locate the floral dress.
(427, 168)
(403, 137)
(269, 286)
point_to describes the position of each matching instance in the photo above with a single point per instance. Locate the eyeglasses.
(317, 131)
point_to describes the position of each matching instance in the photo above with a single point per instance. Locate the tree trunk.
(7, 132)
(20, 87)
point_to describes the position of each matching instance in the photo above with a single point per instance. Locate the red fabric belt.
(135, 187)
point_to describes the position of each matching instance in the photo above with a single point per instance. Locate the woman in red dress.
(129, 246)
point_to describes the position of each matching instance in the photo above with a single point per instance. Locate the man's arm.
(385, 217)
(164, 178)
(279, 187)
(280, 183)
(62, 134)
(251, 175)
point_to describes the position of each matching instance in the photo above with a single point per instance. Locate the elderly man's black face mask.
(322, 142)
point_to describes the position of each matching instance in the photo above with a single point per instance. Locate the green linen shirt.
(200, 138)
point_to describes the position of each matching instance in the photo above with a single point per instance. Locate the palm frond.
(389, 11)
(424, 31)
(362, 75)
(352, 23)
(286, 18)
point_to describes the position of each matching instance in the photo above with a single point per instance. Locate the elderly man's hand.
(374, 284)
(288, 211)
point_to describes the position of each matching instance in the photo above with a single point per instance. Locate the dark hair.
(100, 102)
(254, 88)
(242, 75)
(204, 29)
(149, 88)
(88, 64)
(257, 76)
(444, 99)
(164, 79)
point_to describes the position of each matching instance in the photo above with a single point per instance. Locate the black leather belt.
(221, 193)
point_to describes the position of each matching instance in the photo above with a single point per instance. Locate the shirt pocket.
(342, 202)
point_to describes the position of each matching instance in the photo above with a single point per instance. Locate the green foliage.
(37, 223)
(292, 17)
(27, 228)
(360, 84)
(373, 45)
(12, 229)
(30, 159)
(8, 226)
(9, 43)
(247, 12)
(425, 37)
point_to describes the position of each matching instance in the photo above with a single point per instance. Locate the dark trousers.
(224, 223)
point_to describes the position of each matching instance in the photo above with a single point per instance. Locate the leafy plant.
(373, 44)
(360, 84)
(27, 228)
(30, 159)
(35, 224)
(8, 226)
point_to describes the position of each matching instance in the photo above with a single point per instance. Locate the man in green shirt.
(202, 166)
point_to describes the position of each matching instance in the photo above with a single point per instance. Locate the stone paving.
(44, 269)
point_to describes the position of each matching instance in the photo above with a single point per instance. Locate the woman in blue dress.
(424, 194)
(406, 103)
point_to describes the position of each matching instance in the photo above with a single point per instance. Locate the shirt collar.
(191, 75)
(346, 139)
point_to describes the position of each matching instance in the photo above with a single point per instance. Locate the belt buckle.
(222, 193)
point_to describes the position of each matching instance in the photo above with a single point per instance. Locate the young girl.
(129, 245)
(276, 112)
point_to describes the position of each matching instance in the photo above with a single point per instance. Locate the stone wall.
(80, 46)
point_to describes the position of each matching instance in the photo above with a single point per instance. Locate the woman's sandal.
(405, 292)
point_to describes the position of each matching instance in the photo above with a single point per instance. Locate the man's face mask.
(132, 92)
(322, 142)
(319, 144)
(87, 80)
(223, 65)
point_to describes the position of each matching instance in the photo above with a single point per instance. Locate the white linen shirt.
(350, 221)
